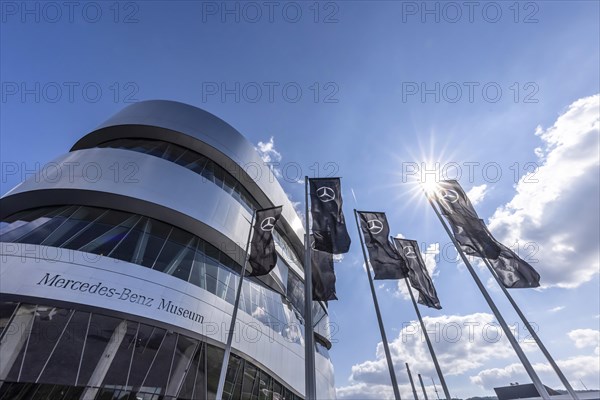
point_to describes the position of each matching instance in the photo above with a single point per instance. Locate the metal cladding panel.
(209, 129)
(92, 280)
(159, 189)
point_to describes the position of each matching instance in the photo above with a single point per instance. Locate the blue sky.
(385, 87)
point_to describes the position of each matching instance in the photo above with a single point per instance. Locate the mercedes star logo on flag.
(326, 194)
(267, 224)
(375, 226)
(409, 252)
(448, 195)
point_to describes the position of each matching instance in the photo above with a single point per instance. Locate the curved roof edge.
(206, 128)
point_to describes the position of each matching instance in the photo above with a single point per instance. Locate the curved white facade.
(141, 236)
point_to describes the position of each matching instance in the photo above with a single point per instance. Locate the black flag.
(386, 262)
(468, 229)
(513, 271)
(475, 239)
(417, 272)
(329, 225)
(323, 276)
(263, 256)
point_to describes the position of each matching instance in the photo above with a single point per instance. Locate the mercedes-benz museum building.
(120, 261)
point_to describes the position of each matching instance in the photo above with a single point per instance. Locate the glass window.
(233, 379)
(251, 382)
(195, 381)
(63, 364)
(120, 359)
(198, 275)
(45, 224)
(161, 365)
(214, 360)
(97, 347)
(182, 359)
(77, 221)
(125, 249)
(148, 342)
(105, 243)
(126, 336)
(47, 329)
(7, 309)
(15, 339)
(181, 266)
(264, 386)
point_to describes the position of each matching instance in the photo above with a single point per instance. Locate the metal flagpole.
(541, 389)
(534, 335)
(435, 389)
(429, 345)
(412, 383)
(309, 344)
(388, 355)
(234, 317)
(422, 386)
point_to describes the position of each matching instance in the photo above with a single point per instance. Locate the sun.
(430, 186)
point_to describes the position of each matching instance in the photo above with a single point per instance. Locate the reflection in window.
(159, 246)
(94, 356)
(189, 159)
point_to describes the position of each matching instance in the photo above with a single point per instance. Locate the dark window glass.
(212, 273)
(156, 380)
(181, 264)
(147, 344)
(233, 379)
(30, 215)
(194, 385)
(76, 222)
(47, 329)
(277, 390)
(42, 221)
(98, 348)
(7, 309)
(118, 372)
(198, 275)
(296, 292)
(214, 361)
(250, 385)
(182, 361)
(125, 250)
(105, 243)
(167, 254)
(96, 230)
(264, 386)
(64, 363)
(159, 234)
(15, 339)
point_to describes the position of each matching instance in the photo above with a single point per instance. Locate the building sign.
(111, 284)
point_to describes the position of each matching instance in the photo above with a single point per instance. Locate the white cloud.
(362, 391)
(270, 155)
(556, 309)
(267, 151)
(477, 193)
(462, 343)
(583, 338)
(554, 215)
(584, 368)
